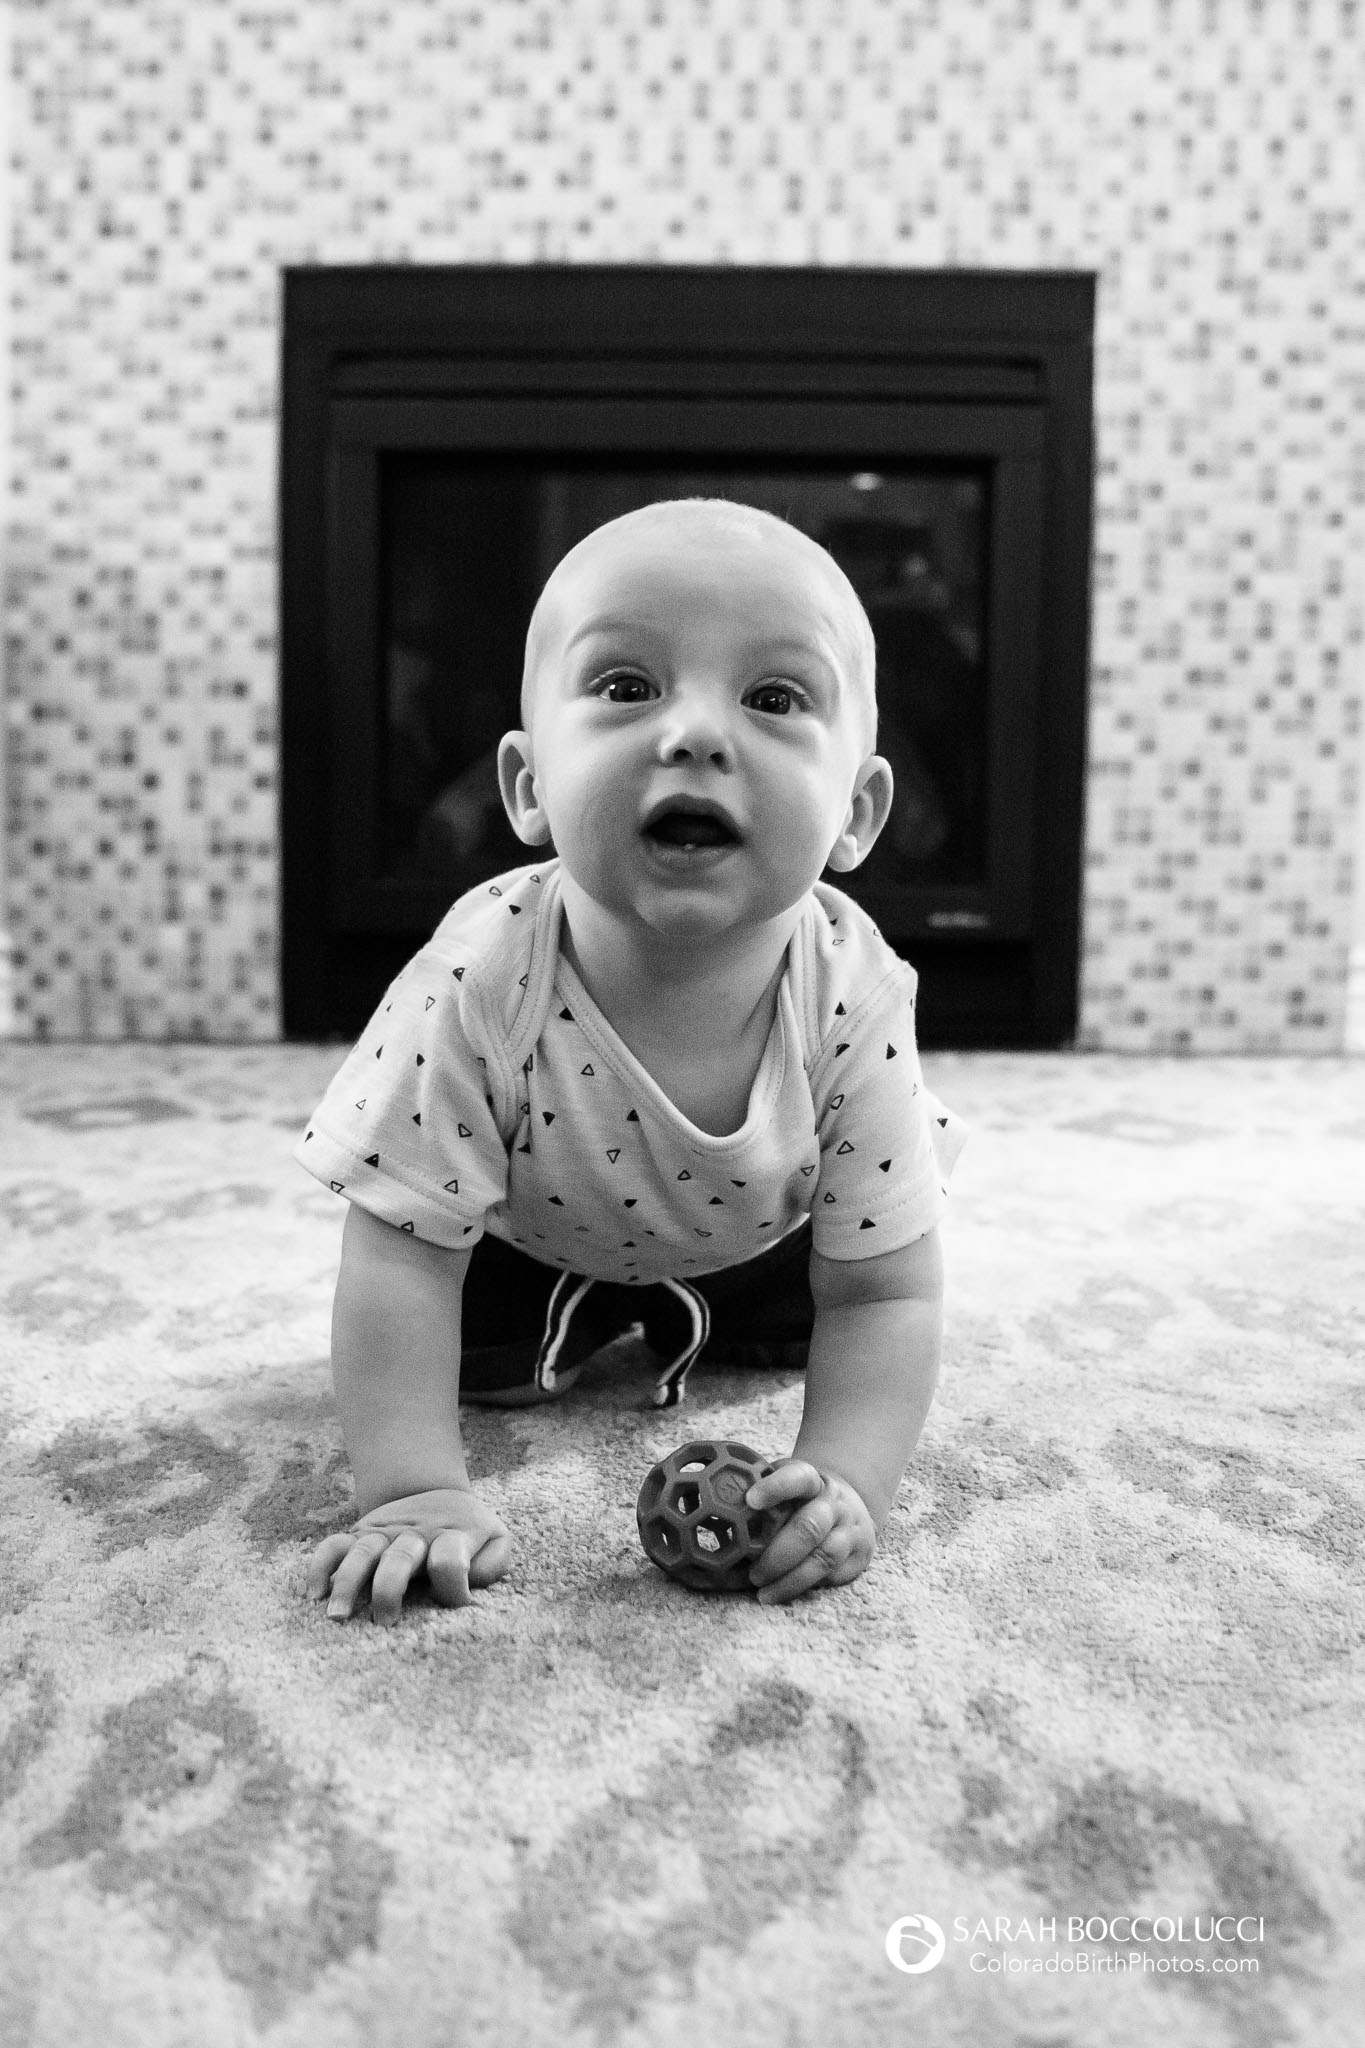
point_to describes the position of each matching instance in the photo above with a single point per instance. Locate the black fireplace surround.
(449, 432)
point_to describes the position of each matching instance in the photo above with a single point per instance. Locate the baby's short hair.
(749, 521)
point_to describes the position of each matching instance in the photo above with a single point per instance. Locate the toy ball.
(692, 1519)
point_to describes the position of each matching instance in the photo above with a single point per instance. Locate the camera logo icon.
(915, 1943)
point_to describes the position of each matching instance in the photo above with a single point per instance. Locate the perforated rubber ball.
(693, 1521)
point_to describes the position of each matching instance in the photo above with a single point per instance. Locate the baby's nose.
(696, 730)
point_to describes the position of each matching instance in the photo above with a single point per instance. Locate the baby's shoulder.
(492, 940)
(843, 967)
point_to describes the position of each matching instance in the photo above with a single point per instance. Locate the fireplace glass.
(466, 544)
(449, 432)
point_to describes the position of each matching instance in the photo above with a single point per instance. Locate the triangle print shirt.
(488, 1092)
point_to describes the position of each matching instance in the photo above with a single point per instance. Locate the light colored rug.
(1107, 1663)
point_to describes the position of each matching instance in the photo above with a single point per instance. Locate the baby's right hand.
(461, 1542)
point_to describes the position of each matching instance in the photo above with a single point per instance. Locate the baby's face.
(698, 730)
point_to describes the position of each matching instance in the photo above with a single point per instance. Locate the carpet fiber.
(1108, 1661)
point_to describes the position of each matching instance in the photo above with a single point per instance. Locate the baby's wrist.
(867, 1491)
(861, 1489)
(394, 1491)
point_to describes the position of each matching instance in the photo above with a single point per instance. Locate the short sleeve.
(409, 1128)
(887, 1145)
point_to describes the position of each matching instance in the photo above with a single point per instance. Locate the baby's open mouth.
(690, 828)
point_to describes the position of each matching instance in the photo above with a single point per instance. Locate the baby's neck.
(697, 1017)
(703, 992)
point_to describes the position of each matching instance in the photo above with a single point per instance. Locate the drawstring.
(567, 1294)
(668, 1388)
(569, 1289)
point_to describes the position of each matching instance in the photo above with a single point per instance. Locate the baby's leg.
(759, 1313)
(525, 1328)
(762, 1311)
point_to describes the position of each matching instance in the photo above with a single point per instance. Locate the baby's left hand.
(827, 1542)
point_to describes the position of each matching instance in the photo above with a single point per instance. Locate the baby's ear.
(517, 781)
(868, 810)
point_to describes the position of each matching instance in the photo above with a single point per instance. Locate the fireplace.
(448, 433)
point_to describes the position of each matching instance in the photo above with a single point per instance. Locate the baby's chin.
(695, 921)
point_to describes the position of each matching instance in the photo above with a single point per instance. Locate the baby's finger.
(792, 1480)
(354, 1573)
(395, 1568)
(492, 1561)
(799, 1538)
(825, 1565)
(782, 1591)
(448, 1567)
(324, 1562)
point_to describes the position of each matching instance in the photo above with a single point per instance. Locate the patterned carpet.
(1107, 1664)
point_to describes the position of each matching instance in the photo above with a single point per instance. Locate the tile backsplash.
(168, 157)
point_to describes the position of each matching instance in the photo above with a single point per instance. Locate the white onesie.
(489, 1092)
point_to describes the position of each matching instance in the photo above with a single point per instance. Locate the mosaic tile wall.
(1202, 155)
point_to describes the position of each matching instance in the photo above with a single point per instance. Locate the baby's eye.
(625, 687)
(772, 697)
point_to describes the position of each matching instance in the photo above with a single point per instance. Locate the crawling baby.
(664, 1077)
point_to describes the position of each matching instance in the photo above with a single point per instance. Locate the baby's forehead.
(699, 545)
(698, 542)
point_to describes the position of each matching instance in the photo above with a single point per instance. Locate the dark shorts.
(526, 1328)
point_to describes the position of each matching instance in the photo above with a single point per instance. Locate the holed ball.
(693, 1520)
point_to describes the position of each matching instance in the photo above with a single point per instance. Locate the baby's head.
(673, 527)
(699, 715)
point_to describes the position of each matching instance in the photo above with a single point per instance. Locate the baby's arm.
(873, 1366)
(396, 1366)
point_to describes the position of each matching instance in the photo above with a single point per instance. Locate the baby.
(663, 1079)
